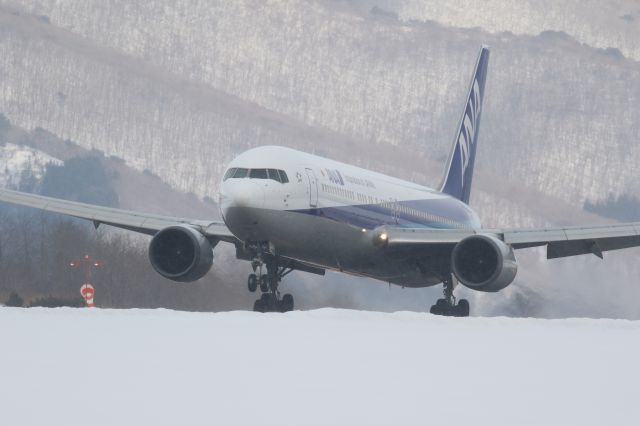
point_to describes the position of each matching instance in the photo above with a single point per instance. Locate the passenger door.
(313, 188)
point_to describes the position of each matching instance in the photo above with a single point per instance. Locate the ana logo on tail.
(467, 131)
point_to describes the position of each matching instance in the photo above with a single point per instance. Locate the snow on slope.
(327, 367)
(17, 159)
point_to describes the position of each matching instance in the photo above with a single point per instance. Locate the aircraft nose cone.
(238, 193)
(239, 202)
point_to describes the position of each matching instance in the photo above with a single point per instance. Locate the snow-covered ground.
(326, 367)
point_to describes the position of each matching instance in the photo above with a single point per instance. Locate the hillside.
(216, 78)
(604, 24)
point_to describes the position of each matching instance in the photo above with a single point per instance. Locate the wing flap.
(573, 241)
(518, 236)
(558, 249)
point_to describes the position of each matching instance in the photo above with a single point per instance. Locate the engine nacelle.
(484, 263)
(181, 253)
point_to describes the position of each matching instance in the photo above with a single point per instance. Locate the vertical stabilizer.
(459, 171)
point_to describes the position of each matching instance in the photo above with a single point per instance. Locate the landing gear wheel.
(258, 306)
(286, 304)
(264, 283)
(463, 308)
(440, 308)
(264, 304)
(459, 310)
(252, 283)
(448, 306)
(276, 269)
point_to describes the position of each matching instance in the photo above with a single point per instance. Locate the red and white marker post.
(87, 291)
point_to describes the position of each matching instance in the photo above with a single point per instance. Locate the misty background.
(162, 94)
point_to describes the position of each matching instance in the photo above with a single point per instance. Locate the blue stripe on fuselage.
(441, 213)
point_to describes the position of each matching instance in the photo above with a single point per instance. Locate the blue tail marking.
(459, 172)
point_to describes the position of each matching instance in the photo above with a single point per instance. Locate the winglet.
(459, 171)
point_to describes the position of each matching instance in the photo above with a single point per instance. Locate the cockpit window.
(229, 173)
(283, 176)
(239, 173)
(273, 174)
(258, 174)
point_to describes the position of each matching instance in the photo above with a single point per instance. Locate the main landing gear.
(270, 301)
(448, 306)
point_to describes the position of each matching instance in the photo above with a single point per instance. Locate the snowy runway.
(326, 367)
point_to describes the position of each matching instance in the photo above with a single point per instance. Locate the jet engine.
(181, 253)
(484, 263)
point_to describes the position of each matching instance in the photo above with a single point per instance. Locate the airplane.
(287, 210)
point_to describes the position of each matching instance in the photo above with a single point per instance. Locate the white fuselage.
(322, 211)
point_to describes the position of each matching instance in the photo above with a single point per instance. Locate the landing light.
(383, 236)
(364, 230)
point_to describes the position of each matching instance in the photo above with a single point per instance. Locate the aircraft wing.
(560, 241)
(134, 221)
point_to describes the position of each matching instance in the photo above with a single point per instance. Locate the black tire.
(286, 305)
(462, 309)
(252, 283)
(267, 302)
(258, 306)
(264, 283)
(440, 308)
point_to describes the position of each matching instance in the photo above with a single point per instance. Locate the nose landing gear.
(448, 306)
(270, 301)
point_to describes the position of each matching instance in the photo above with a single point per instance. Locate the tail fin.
(459, 172)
